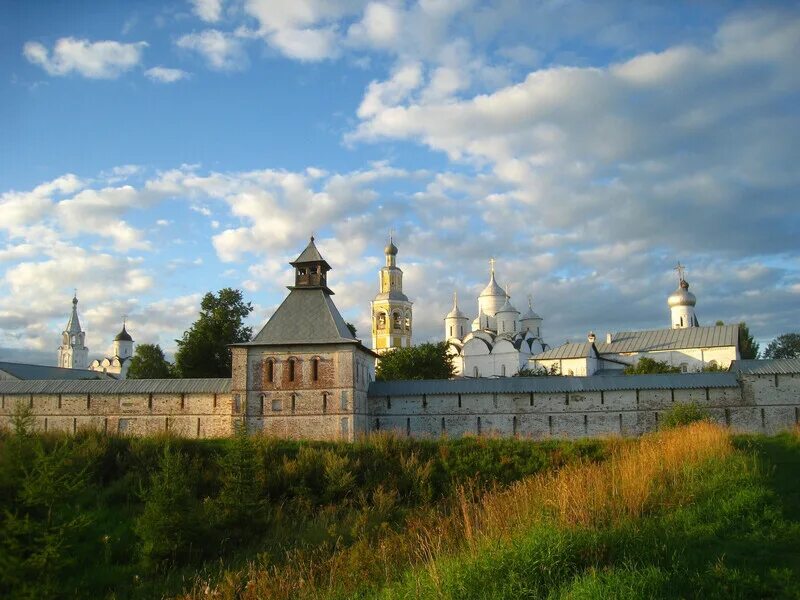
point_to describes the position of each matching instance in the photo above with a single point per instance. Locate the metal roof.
(555, 384)
(25, 371)
(309, 255)
(125, 386)
(773, 366)
(570, 350)
(670, 339)
(306, 316)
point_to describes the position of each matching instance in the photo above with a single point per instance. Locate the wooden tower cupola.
(310, 269)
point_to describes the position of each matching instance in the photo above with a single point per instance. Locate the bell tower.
(73, 353)
(391, 308)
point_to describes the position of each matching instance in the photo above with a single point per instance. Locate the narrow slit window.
(315, 369)
(291, 369)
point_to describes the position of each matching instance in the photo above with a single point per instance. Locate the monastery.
(304, 375)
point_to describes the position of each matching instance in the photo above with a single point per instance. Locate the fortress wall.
(755, 406)
(190, 414)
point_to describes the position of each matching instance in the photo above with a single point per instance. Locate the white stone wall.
(693, 359)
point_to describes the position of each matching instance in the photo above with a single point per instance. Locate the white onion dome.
(682, 296)
(530, 314)
(455, 313)
(507, 307)
(493, 289)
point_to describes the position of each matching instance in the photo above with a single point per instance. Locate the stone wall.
(187, 414)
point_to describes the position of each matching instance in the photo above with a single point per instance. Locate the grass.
(683, 513)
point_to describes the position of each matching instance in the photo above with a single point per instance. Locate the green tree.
(203, 351)
(239, 505)
(352, 329)
(538, 371)
(784, 346)
(170, 521)
(748, 347)
(38, 528)
(647, 366)
(148, 362)
(426, 361)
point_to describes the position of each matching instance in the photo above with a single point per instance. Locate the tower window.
(315, 369)
(291, 369)
(451, 331)
(396, 320)
(475, 371)
(681, 321)
(270, 370)
(503, 370)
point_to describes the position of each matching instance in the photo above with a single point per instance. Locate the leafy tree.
(713, 368)
(352, 329)
(784, 346)
(426, 361)
(148, 362)
(748, 347)
(22, 420)
(203, 351)
(538, 371)
(170, 521)
(647, 366)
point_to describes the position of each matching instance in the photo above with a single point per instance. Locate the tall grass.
(639, 476)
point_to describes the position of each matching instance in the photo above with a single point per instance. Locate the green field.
(689, 512)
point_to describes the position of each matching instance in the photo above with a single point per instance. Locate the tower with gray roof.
(304, 375)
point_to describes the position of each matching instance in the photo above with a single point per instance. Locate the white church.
(500, 340)
(73, 353)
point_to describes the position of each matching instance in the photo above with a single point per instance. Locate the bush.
(170, 522)
(647, 366)
(683, 414)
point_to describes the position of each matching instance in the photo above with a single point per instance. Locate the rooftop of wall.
(125, 386)
(773, 366)
(555, 384)
(25, 371)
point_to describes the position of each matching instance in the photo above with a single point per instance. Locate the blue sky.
(155, 151)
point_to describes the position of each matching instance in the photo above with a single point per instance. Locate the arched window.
(408, 323)
(291, 369)
(315, 369)
(270, 370)
(451, 331)
(381, 320)
(474, 371)
(503, 370)
(396, 320)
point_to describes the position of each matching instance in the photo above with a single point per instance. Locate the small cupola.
(310, 269)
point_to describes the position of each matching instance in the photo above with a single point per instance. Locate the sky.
(151, 152)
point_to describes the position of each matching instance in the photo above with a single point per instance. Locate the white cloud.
(105, 59)
(165, 74)
(380, 26)
(222, 51)
(209, 11)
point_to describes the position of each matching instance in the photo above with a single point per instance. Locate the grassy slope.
(739, 538)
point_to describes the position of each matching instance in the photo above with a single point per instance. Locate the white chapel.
(500, 340)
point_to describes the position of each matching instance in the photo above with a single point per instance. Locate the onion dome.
(507, 307)
(530, 314)
(123, 336)
(493, 289)
(455, 313)
(682, 296)
(390, 248)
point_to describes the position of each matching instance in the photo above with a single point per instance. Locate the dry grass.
(639, 476)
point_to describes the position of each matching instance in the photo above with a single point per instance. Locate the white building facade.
(121, 354)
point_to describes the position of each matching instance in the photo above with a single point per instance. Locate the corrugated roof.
(306, 316)
(524, 385)
(125, 386)
(569, 350)
(670, 339)
(772, 366)
(25, 371)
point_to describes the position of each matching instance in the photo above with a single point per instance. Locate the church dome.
(455, 312)
(493, 289)
(530, 314)
(507, 307)
(682, 296)
(123, 336)
(390, 249)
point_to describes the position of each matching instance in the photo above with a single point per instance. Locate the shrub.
(683, 414)
(647, 366)
(169, 523)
